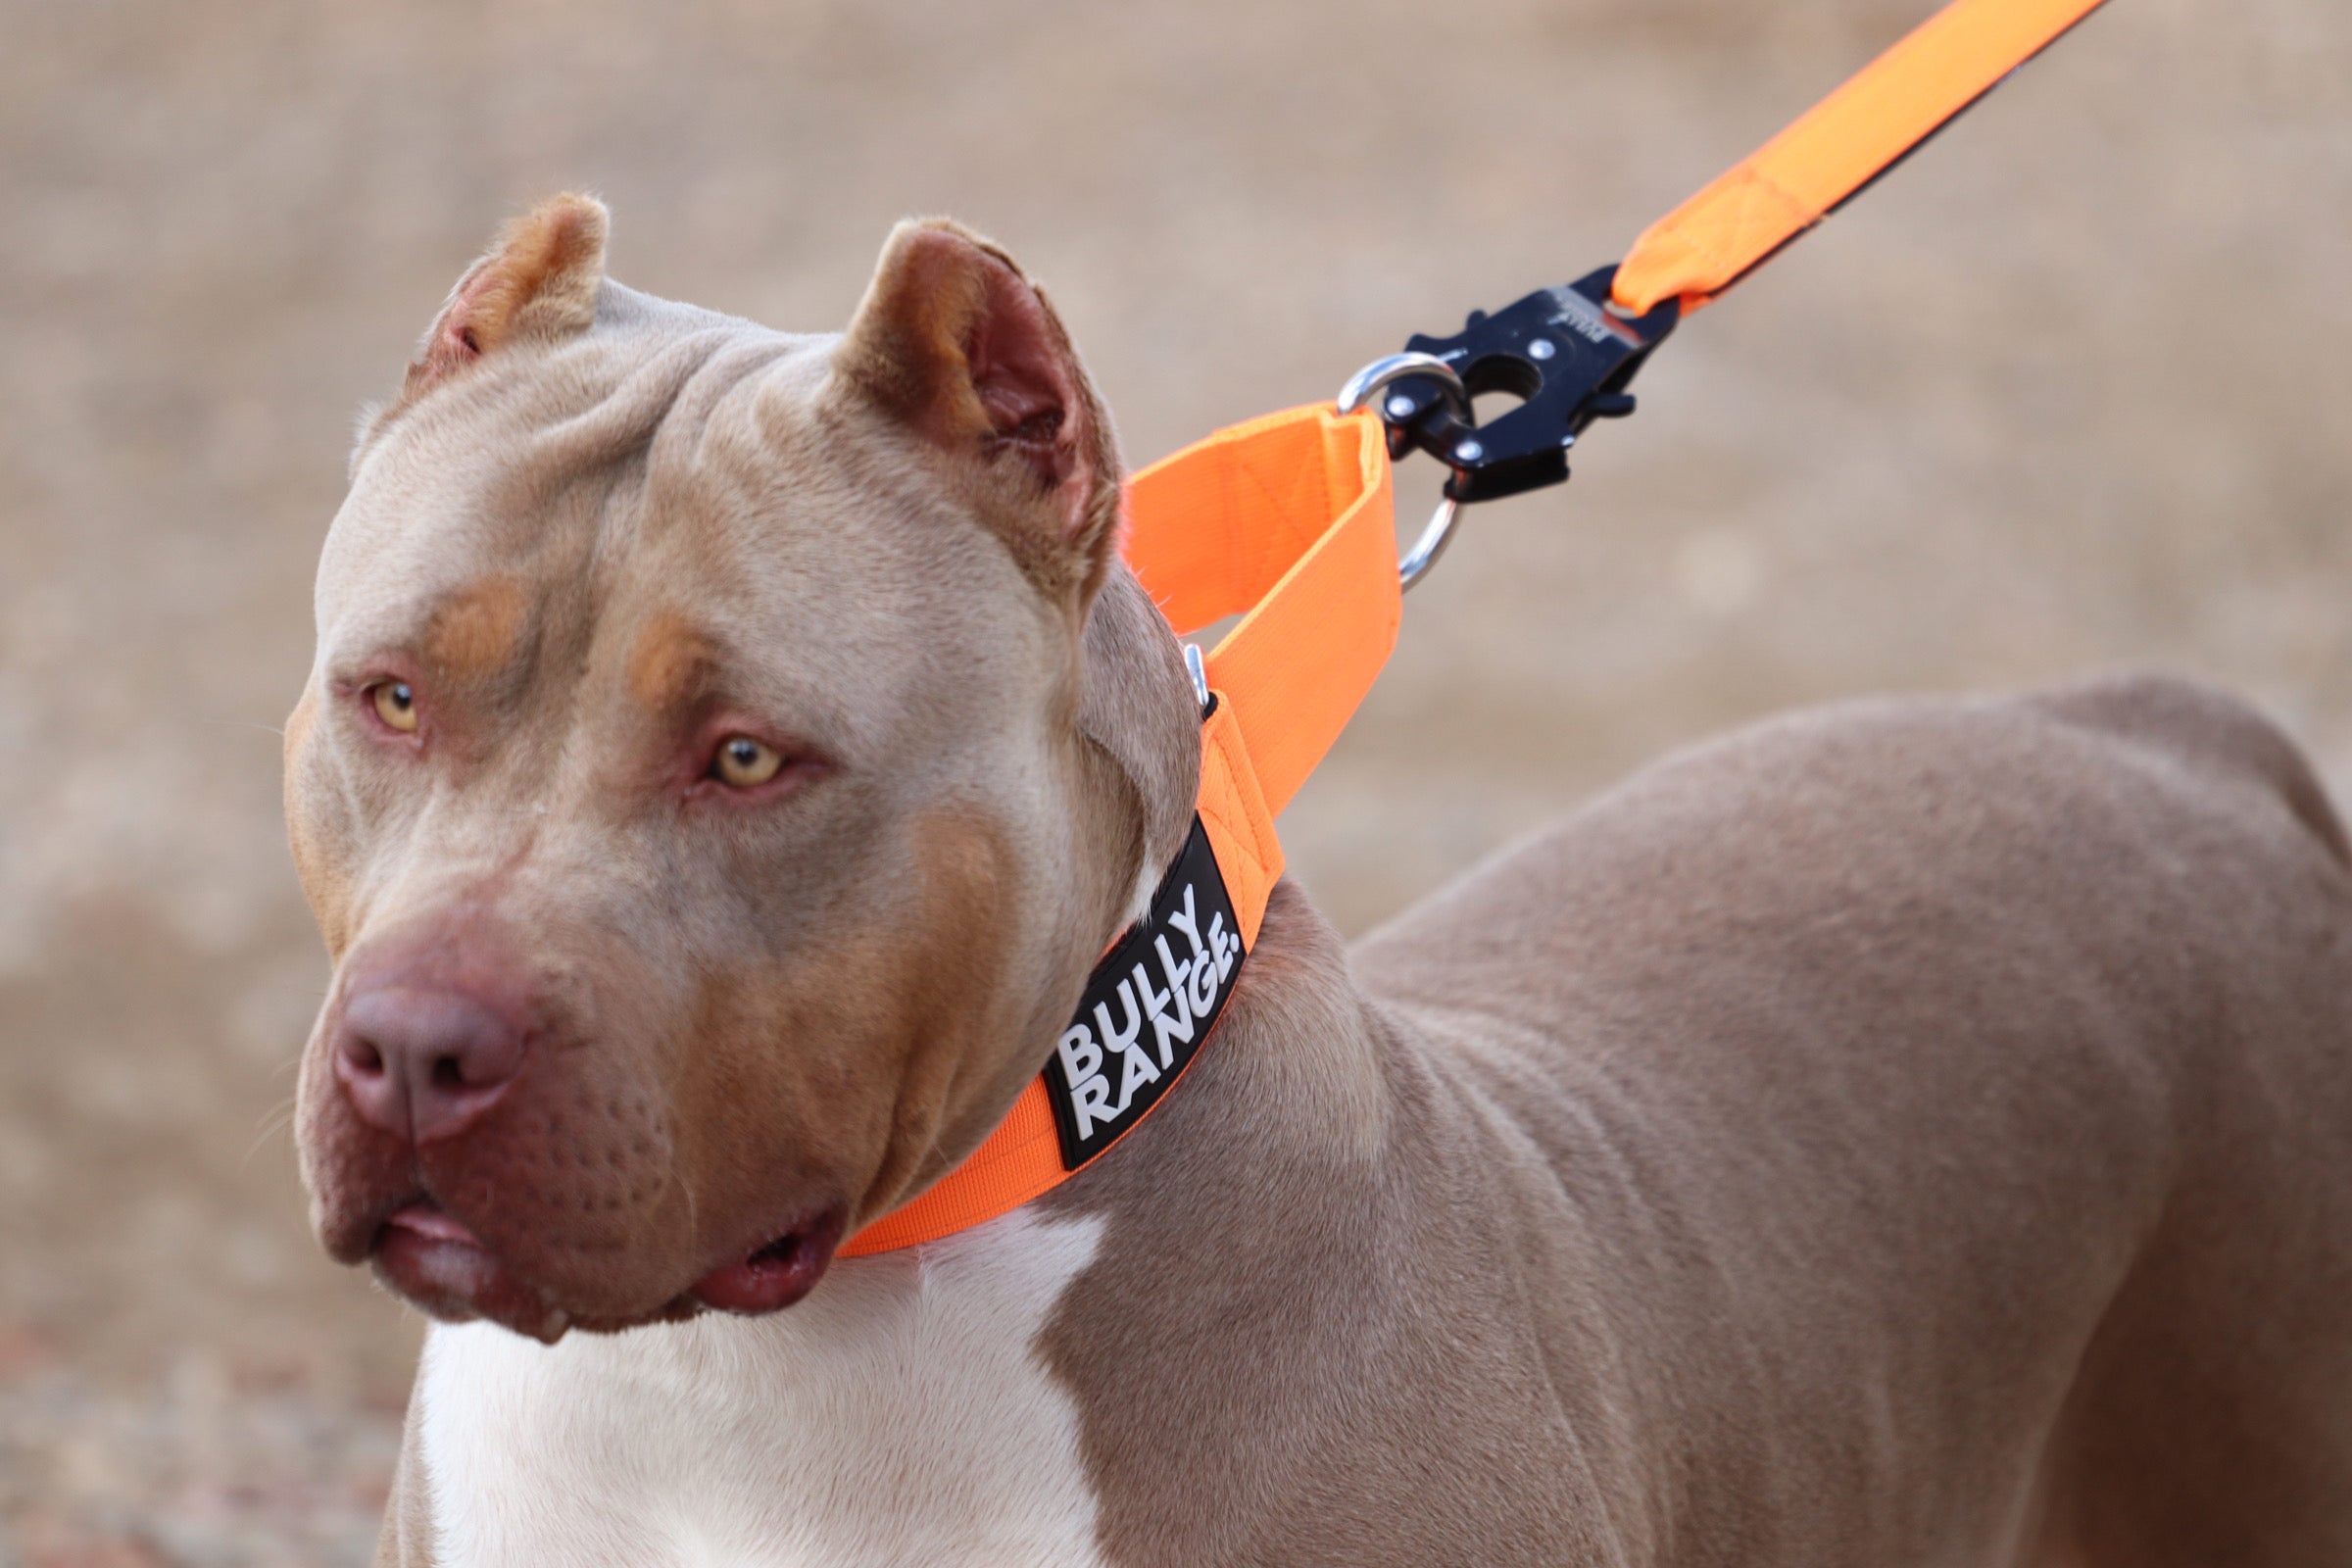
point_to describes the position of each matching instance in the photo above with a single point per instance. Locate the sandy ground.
(2072, 389)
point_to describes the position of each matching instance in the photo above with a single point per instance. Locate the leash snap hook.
(1377, 377)
(1567, 354)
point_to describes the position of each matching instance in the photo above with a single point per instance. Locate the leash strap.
(1838, 147)
(1569, 354)
(1285, 522)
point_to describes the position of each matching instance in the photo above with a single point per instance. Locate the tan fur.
(473, 633)
(902, 1009)
(328, 894)
(669, 662)
(539, 281)
(910, 352)
(1910, 1133)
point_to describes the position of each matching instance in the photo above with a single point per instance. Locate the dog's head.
(726, 754)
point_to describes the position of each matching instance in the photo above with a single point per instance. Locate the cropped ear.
(954, 343)
(539, 281)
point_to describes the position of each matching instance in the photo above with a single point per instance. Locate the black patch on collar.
(1148, 1008)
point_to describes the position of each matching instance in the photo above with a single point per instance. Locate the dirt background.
(2072, 389)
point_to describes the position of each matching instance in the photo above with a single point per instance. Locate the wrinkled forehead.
(674, 476)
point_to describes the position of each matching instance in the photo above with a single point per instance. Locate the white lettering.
(1091, 1102)
(1178, 1014)
(1163, 1026)
(1187, 921)
(1140, 1071)
(1226, 944)
(1204, 986)
(1121, 1039)
(1154, 1001)
(1081, 1058)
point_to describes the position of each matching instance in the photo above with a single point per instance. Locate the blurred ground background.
(2072, 389)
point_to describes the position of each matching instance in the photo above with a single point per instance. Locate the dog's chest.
(900, 1414)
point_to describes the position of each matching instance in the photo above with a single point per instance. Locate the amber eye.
(395, 703)
(743, 761)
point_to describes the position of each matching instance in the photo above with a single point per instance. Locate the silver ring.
(1403, 368)
(1430, 546)
(1359, 390)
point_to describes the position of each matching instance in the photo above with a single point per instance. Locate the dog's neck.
(728, 1439)
(1137, 715)
(723, 1438)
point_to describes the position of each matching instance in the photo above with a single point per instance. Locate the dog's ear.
(955, 343)
(539, 281)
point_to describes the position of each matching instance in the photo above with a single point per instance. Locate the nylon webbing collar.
(1285, 522)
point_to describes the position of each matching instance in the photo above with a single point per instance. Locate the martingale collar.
(1287, 522)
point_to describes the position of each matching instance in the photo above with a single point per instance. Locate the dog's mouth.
(773, 1276)
(436, 1260)
(432, 1257)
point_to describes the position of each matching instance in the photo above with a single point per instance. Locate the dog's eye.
(395, 703)
(742, 761)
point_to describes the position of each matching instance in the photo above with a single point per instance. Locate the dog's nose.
(424, 1064)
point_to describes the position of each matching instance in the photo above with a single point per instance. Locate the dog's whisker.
(275, 1121)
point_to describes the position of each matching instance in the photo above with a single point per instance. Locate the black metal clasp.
(1565, 352)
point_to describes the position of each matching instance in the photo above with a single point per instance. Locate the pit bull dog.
(1910, 1133)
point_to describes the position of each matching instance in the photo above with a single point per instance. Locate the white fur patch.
(900, 1414)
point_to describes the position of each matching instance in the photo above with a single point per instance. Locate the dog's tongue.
(775, 1276)
(435, 1224)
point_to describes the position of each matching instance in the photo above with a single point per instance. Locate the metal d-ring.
(1360, 391)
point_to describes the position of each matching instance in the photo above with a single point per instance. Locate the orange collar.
(1285, 521)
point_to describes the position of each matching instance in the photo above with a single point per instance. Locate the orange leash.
(1569, 353)
(1285, 521)
(1837, 148)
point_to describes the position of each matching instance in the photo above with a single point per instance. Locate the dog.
(1910, 1132)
